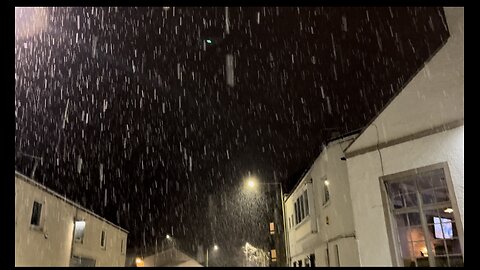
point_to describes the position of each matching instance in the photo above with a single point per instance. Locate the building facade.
(51, 230)
(406, 169)
(318, 212)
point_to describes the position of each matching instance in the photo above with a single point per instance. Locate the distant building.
(166, 254)
(406, 168)
(318, 213)
(51, 230)
(170, 257)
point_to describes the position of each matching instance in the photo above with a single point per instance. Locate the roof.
(337, 139)
(63, 198)
(434, 94)
(172, 256)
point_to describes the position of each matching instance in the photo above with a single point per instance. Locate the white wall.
(32, 248)
(91, 248)
(434, 97)
(312, 234)
(52, 246)
(364, 172)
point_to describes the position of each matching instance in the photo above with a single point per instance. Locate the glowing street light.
(215, 248)
(168, 236)
(251, 182)
(139, 262)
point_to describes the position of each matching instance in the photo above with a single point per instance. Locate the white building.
(406, 169)
(51, 230)
(318, 213)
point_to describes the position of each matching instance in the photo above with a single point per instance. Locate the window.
(297, 219)
(103, 240)
(326, 192)
(424, 226)
(79, 230)
(305, 197)
(312, 260)
(122, 247)
(274, 255)
(301, 208)
(36, 213)
(272, 228)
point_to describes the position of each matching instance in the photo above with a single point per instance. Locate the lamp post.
(251, 182)
(215, 248)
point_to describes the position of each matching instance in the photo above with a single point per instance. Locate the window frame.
(39, 218)
(392, 231)
(123, 246)
(103, 239)
(79, 240)
(326, 193)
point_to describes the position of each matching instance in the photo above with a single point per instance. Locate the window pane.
(79, 230)
(305, 197)
(302, 209)
(435, 195)
(296, 213)
(431, 179)
(405, 200)
(402, 220)
(398, 188)
(36, 213)
(327, 194)
(103, 239)
(456, 260)
(419, 249)
(416, 234)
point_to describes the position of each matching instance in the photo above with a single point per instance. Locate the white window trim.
(84, 231)
(389, 219)
(41, 227)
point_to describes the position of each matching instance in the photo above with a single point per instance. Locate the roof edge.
(65, 199)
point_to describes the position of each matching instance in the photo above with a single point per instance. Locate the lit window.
(79, 231)
(417, 201)
(36, 213)
(326, 192)
(272, 228)
(103, 240)
(273, 253)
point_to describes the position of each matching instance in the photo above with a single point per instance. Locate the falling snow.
(142, 114)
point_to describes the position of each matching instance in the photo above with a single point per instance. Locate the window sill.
(36, 228)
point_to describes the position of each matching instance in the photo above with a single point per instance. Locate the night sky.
(131, 111)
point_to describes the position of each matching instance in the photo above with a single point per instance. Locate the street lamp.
(252, 182)
(215, 248)
(139, 262)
